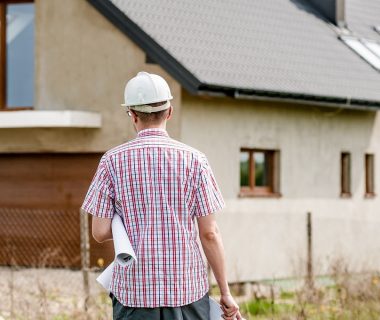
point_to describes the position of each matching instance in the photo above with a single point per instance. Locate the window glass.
(373, 46)
(362, 50)
(370, 173)
(345, 173)
(20, 55)
(261, 178)
(259, 172)
(244, 169)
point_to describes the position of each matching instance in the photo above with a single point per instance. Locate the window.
(369, 50)
(369, 175)
(17, 54)
(373, 46)
(259, 172)
(345, 173)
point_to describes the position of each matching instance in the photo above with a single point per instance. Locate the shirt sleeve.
(208, 197)
(99, 200)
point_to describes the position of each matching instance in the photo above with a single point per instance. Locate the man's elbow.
(100, 235)
(101, 229)
(210, 235)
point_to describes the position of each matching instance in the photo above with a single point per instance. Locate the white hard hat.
(144, 89)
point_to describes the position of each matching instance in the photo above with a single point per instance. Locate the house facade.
(284, 108)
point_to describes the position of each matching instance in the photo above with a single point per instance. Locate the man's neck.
(140, 127)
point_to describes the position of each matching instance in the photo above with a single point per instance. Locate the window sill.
(369, 195)
(50, 119)
(246, 194)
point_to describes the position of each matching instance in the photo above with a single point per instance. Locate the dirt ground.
(54, 294)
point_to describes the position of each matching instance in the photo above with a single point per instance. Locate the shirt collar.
(153, 132)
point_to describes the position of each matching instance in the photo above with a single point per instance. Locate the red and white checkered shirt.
(158, 186)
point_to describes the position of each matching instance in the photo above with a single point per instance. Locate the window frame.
(369, 170)
(3, 56)
(345, 177)
(262, 191)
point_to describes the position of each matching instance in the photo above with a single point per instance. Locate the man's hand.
(214, 251)
(230, 308)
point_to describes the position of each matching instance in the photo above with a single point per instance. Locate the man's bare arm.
(213, 248)
(101, 229)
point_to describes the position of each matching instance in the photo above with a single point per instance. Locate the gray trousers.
(198, 310)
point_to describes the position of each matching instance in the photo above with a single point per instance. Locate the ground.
(59, 294)
(54, 294)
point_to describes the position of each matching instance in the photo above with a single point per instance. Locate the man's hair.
(154, 117)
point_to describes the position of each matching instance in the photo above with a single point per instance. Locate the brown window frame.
(274, 173)
(3, 56)
(345, 175)
(369, 164)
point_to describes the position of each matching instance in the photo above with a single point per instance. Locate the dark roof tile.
(276, 45)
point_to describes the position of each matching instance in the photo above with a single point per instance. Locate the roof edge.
(300, 98)
(147, 44)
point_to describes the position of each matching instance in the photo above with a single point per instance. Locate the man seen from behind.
(160, 188)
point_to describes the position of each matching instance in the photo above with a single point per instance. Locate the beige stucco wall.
(82, 62)
(266, 237)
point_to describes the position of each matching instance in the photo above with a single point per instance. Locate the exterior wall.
(266, 237)
(82, 63)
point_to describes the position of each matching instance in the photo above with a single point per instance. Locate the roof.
(279, 48)
(362, 16)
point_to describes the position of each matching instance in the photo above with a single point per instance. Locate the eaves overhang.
(196, 87)
(289, 97)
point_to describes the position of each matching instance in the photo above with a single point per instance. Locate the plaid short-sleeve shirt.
(158, 186)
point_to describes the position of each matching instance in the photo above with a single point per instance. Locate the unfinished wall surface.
(266, 237)
(82, 63)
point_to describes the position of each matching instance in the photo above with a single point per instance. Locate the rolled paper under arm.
(124, 253)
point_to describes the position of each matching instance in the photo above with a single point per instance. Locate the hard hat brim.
(147, 108)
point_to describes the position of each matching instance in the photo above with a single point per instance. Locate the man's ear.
(134, 116)
(170, 113)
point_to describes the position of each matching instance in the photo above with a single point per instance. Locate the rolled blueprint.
(105, 277)
(125, 255)
(215, 310)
